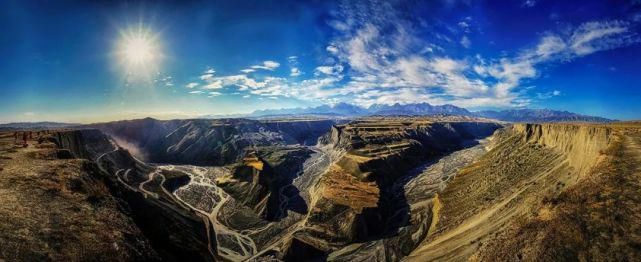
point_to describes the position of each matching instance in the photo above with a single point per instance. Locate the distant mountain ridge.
(539, 115)
(419, 109)
(35, 125)
(345, 109)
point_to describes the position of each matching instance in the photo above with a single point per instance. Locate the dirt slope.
(58, 208)
(544, 192)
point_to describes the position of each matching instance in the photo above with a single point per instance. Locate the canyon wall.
(354, 201)
(521, 178)
(580, 143)
(173, 231)
(209, 141)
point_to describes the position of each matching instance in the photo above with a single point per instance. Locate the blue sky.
(86, 62)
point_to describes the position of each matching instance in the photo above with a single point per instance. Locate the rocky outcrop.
(304, 132)
(85, 143)
(379, 150)
(258, 181)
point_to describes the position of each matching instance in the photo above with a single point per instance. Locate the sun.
(138, 52)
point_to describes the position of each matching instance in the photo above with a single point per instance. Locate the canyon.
(376, 188)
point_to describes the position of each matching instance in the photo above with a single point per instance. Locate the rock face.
(62, 208)
(381, 150)
(373, 189)
(258, 180)
(170, 231)
(581, 144)
(208, 142)
(354, 198)
(543, 192)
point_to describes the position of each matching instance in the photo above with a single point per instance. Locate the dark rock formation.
(208, 142)
(260, 180)
(354, 198)
(174, 232)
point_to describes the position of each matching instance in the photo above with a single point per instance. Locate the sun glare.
(138, 52)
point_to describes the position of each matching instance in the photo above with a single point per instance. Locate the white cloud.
(196, 92)
(267, 65)
(206, 77)
(596, 36)
(548, 95)
(529, 3)
(332, 49)
(399, 67)
(329, 70)
(378, 58)
(214, 85)
(550, 45)
(213, 94)
(465, 42)
(192, 85)
(295, 72)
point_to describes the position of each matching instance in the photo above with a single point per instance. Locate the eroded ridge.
(533, 194)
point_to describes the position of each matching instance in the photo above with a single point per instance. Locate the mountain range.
(35, 125)
(420, 109)
(345, 109)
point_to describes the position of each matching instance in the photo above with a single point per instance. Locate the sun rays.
(138, 53)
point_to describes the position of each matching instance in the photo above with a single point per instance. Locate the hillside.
(446, 188)
(58, 208)
(539, 194)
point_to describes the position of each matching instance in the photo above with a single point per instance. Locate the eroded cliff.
(532, 196)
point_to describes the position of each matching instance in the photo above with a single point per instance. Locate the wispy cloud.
(378, 56)
(395, 66)
(191, 85)
(465, 42)
(267, 65)
(214, 94)
(548, 95)
(295, 72)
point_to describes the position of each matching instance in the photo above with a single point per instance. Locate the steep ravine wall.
(208, 141)
(528, 166)
(353, 201)
(580, 143)
(173, 232)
